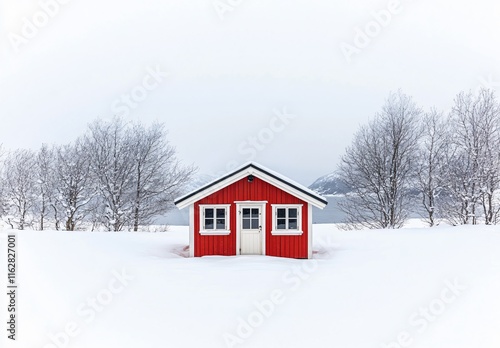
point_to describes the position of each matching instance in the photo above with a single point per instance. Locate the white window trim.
(224, 232)
(191, 230)
(250, 202)
(298, 231)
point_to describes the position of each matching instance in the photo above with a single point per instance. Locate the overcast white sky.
(226, 76)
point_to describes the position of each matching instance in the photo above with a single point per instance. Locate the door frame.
(251, 204)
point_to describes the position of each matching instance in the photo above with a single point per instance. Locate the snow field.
(413, 287)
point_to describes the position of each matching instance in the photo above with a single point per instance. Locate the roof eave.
(218, 184)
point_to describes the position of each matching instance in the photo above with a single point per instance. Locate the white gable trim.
(212, 189)
(253, 169)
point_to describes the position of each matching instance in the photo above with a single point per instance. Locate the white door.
(251, 230)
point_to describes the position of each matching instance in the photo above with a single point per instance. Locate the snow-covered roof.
(252, 168)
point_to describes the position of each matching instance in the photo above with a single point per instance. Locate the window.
(286, 219)
(250, 219)
(214, 219)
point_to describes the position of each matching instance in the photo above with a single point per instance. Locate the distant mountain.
(329, 184)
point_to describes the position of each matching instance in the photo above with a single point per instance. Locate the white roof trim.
(263, 173)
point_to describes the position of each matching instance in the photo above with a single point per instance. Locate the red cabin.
(251, 211)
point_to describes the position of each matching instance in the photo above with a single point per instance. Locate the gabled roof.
(252, 168)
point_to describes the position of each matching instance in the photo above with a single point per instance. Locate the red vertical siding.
(258, 190)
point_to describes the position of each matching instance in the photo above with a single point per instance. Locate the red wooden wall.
(258, 190)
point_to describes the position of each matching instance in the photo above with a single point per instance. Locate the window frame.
(215, 232)
(251, 218)
(286, 232)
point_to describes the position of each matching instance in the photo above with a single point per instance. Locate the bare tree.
(379, 166)
(429, 171)
(111, 156)
(158, 176)
(489, 170)
(136, 171)
(74, 189)
(3, 202)
(44, 184)
(473, 160)
(19, 182)
(117, 175)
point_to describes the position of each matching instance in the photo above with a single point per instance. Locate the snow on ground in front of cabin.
(424, 287)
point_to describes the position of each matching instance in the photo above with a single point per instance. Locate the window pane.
(209, 212)
(292, 224)
(255, 213)
(292, 213)
(209, 224)
(281, 224)
(281, 212)
(221, 213)
(246, 212)
(255, 224)
(246, 224)
(221, 224)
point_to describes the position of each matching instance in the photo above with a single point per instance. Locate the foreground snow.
(407, 288)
